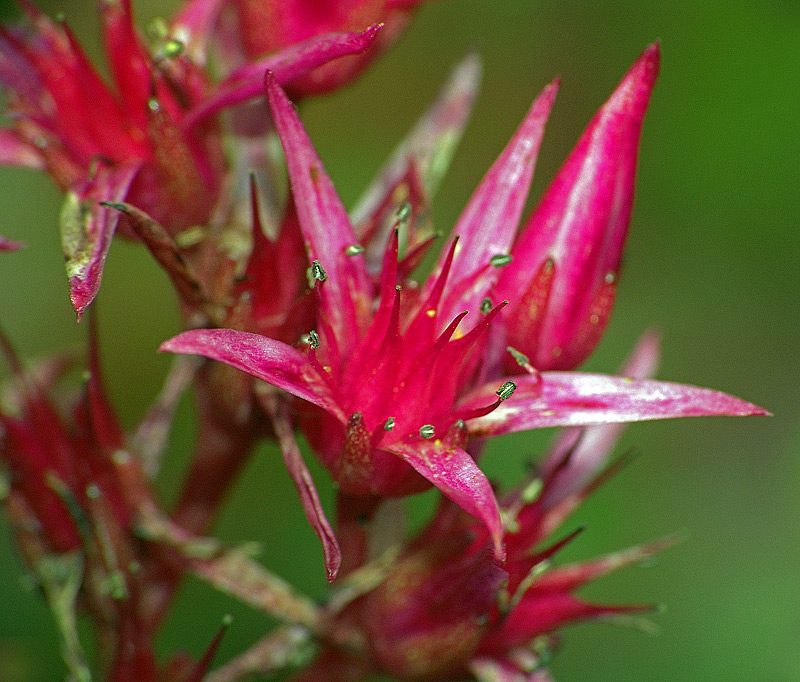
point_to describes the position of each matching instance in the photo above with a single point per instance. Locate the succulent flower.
(400, 387)
(445, 610)
(149, 138)
(263, 27)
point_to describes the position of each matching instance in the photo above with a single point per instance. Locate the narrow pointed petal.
(16, 152)
(301, 477)
(488, 225)
(266, 359)
(578, 399)
(131, 67)
(297, 60)
(7, 244)
(346, 295)
(149, 440)
(431, 143)
(581, 224)
(538, 614)
(571, 577)
(87, 229)
(456, 475)
(590, 448)
(104, 423)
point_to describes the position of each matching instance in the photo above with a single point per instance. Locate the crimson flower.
(148, 138)
(403, 382)
(264, 27)
(445, 610)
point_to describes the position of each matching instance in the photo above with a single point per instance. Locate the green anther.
(532, 491)
(153, 105)
(227, 619)
(521, 358)
(313, 339)
(354, 250)
(426, 431)
(318, 272)
(404, 212)
(506, 390)
(388, 425)
(173, 48)
(501, 259)
(92, 491)
(486, 305)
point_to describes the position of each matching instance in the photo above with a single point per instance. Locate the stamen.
(486, 306)
(313, 339)
(501, 259)
(506, 390)
(354, 250)
(426, 431)
(318, 272)
(388, 425)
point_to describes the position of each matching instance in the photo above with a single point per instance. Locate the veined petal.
(489, 222)
(272, 361)
(431, 143)
(292, 62)
(87, 229)
(346, 295)
(582, 221)
(589, 448)
(456, 475)
(578, 399)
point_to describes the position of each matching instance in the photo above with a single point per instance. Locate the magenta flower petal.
(266, 359)
(588, 448)
(247, 82)
(16, 152)
(345, 298)
(7, 244)
(456, 475)
(87, 229)
(577, 233)
(488, 224)
(301, 477)
(578, 399)
(431, 143)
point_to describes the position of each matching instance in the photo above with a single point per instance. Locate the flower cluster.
(317, 323)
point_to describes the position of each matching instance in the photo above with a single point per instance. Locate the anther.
(313, 339)
(354, 250)
(426, 431)
(403, 212)
(318, 272)
(486, 305)
(388, 425)
(506, 390)
(501, 259)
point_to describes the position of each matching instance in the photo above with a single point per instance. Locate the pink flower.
(263, 27)
(148, 138)
(402, 382)
(446, 610)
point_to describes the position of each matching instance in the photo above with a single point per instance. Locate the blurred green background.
(711, 261)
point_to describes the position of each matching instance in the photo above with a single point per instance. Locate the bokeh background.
(711, 261)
